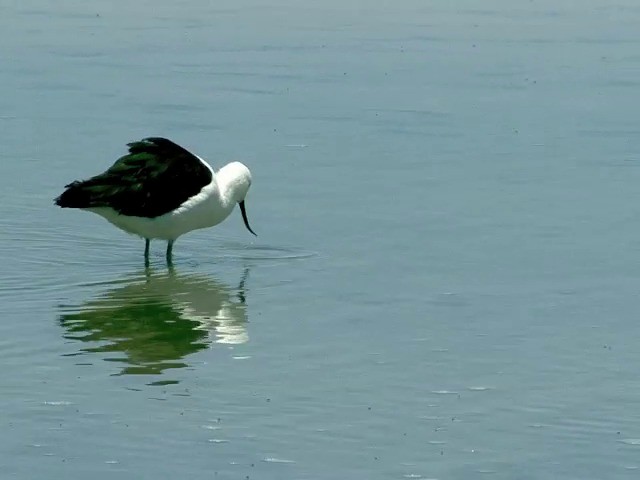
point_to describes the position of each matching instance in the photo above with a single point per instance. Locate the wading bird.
(161, 190)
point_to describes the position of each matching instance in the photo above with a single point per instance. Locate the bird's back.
(154, 178)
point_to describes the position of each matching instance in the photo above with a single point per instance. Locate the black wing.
(155, 177)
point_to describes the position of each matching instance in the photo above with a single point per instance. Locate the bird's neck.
(223, 199)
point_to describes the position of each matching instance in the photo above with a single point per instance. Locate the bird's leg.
(147, 242)
(170, 252)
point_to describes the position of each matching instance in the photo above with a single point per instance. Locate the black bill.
(244, 217)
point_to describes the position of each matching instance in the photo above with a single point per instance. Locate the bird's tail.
(75, 196)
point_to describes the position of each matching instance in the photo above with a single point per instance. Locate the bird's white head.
(234, 180)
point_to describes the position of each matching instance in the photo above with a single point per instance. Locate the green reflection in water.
(157, 319)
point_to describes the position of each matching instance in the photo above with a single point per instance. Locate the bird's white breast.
(204, 210)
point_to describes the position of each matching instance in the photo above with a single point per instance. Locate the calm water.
(446, 282)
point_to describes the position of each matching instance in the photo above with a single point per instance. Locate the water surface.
(445, 281)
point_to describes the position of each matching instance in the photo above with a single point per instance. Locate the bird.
(160, 190)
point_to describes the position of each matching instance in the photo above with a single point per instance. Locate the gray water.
(447, 275)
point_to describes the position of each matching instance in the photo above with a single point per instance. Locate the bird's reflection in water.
(156, 320)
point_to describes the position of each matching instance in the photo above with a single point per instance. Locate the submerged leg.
(169, 251)
(146, 252)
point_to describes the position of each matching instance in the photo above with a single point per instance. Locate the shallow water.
(445, 281)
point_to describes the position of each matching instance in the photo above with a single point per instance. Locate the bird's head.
(237, 180)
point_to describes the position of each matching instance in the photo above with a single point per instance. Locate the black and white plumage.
(161, 190)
